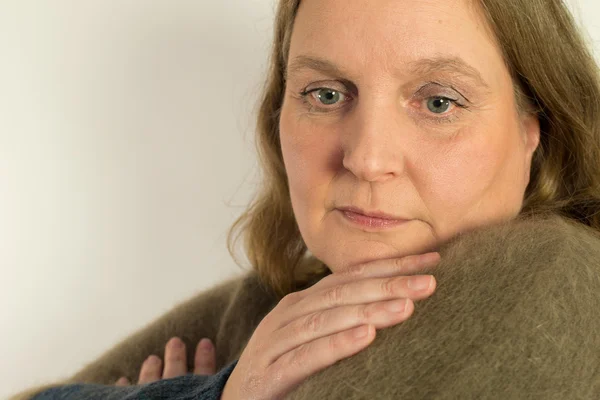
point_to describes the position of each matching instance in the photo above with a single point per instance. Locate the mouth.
(370, 220)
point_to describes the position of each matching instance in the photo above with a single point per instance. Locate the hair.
(554, 75)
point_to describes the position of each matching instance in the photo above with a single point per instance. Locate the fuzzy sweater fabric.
(515, 315)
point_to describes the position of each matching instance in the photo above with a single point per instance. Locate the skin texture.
(379, 147)
(372, 140)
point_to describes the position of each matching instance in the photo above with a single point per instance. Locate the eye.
(439, 105)
(325, 96)
(436, 103)
(328, 96)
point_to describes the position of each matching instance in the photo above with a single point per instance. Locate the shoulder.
(550, 247)
(514, 315)
(549, 234)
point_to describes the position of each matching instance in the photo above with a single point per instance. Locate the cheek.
(475, 179)
(309, 159)
(452, 173)
(469, 168)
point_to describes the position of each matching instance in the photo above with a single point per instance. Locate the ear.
(530, 129)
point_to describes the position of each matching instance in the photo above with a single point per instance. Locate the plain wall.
(126, 151)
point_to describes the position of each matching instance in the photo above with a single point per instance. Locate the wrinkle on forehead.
(384, 32)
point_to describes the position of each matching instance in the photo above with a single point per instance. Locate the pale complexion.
(380, 133)
(380, 138)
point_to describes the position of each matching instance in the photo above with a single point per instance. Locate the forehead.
(378, 36)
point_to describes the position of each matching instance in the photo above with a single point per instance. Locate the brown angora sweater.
(516, 315)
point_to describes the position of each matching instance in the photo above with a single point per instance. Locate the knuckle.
(389, 286)
(365, 312)
(334, 342)
(400, 264)
(301, 355)
(327, 279)
(313, 322)
(290, 298)
(333, 296)
(268, 320)
(358, 270)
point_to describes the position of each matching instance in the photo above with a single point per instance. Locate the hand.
(335, 318)
(176, 363)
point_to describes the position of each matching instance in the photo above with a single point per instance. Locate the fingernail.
(123, 381)
(420, 282)
(153, 360)
(206, 344)
(396, 305)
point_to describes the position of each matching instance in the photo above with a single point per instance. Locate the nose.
(372, 150)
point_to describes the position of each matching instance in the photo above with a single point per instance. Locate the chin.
(341, 247)
(353, 254)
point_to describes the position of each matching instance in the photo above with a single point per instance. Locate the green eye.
(328, 96)
(438, 105)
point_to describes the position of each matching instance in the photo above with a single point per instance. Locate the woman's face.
(412, 114)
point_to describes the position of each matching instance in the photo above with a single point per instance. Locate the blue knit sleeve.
(186, 387)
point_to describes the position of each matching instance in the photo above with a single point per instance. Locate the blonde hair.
(554, 75)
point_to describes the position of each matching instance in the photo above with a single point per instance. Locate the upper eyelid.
(455, 103)
(309, 92)
(306, 89)
(447, 90)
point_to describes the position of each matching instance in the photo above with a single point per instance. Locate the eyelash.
(438, 120)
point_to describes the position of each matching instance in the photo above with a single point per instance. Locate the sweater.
(515, 315)
(187, 387)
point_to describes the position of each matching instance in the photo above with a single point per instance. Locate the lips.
(371, 214)
(373, 222)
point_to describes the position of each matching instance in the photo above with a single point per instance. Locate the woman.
(390, 131)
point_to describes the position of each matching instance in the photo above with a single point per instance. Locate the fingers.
(404, 266)
(357, 291)
(408, 265)
(151, 370)
(175, 359)
(122, 382)
(385, 267)
(328, 322)
(358, 297)
(204, 361)
(319, 354)
(176, 362)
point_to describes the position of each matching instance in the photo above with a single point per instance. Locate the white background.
(126, 151)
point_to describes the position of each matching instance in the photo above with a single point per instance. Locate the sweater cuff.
(186, 387)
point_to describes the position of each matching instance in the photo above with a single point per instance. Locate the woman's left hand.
(176, 362)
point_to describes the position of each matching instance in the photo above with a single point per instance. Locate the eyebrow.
(423, 66)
